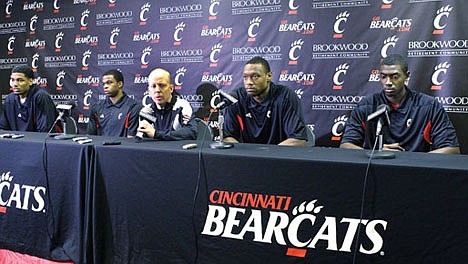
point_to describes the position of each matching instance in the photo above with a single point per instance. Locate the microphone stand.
(65, 134)
(221, 144)
(380, 154)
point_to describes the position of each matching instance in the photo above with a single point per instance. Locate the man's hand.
(393, 147)
(145, 127)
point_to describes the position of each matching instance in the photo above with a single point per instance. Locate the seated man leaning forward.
(173, 114)
(417, 121)
(265, 113)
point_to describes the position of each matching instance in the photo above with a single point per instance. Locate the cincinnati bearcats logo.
(35, 61)
(11, 42)
(58, 41)
(440, 20)
(178, 79)
(32, 24)
(146, 100)
(8, 8)
(86, 101)
(143, 11)
(341, 18)
(144, 57)
(84, 19)
(59, 80)
(387, 4)
(292, 7)
(84, 60)
(251, 31)
(112, 39)
(213, 9)
(339, 71)
(179, 28)
(295, 46)
(338, 127)
(437, 76)
(389, 42)
(214, 55)
(56, 6)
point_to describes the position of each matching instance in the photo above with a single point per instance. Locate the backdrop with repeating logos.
(328, 52)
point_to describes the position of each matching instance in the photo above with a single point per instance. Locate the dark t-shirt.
(272, 121)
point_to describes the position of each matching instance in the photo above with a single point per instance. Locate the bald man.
(173, 114)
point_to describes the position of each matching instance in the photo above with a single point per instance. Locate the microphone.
(64, 109)
(146, 113)
(383, 108)
(69, 105)
(226, 101)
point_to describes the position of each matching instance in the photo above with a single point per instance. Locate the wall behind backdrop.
(328, 52)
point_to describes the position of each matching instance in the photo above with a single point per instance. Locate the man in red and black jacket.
(417, 121)
(117, 115)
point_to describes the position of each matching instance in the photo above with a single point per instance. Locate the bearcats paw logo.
(309, 208)
(6, 177)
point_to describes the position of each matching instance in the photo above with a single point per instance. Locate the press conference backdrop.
(328, 52)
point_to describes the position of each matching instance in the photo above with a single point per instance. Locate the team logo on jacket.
(301, 227)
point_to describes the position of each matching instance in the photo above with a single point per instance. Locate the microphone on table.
(382, 114)
(64, 110)
(382, 109)
(146, 113)
(226, 101)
